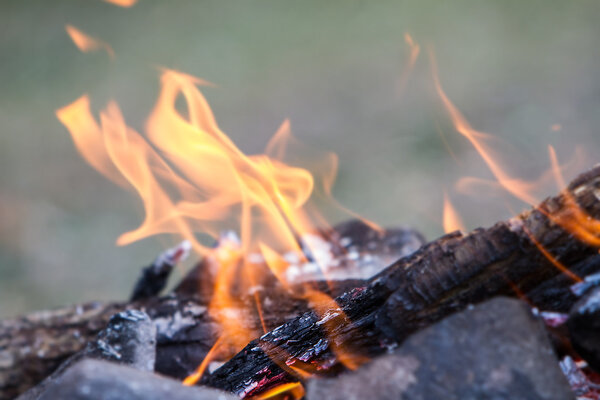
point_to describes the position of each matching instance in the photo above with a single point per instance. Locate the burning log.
(129, 339)
(35, 345)
(154, 277)
(519, 256)
(508, 360)
(515, 257)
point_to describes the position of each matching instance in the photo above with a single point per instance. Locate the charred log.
(35, 345)
(442, 277)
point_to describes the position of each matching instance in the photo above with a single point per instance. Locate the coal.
(495, 350)
(129, 338)
(102, 380)
(584, 327)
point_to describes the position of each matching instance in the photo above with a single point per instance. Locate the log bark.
(35, 345)
(442, 277)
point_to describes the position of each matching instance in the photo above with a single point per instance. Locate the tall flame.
(193, 179)
(479, 140)
(570, 217)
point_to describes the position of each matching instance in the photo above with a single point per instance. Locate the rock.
(584, 327)
(129, 338)
(103, 380)
(496, 350)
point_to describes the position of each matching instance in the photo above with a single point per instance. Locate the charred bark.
(442, 277)
(35, 345)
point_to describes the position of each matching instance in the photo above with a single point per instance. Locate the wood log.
(441, 277)
(35, 345)
(444, 276)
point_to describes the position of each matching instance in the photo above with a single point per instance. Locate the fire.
(122, 3)
(479, 140)
(87, 43)
(292, 390)
(571, 218)
(451, 220)
(414, 49)
(193, 179)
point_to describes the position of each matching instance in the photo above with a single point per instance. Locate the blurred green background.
(515, 68)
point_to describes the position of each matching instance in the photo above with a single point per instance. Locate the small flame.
(572, 217)
(452, 221)
(87, 43)
(414, 49)
(122, 3)
(333, 316)
(291, 391)
(195, 377)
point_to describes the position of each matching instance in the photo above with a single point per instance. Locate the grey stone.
(497, 350)
(103, 380)
(129, 338)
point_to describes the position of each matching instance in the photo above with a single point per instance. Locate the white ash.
(354, 263)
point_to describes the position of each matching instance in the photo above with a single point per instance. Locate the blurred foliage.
(514, 67)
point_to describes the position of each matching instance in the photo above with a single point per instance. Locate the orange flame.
(192, 178)
(122, 3)
(333, 316)
(195, 377)
(292, 391)
(570, 217)
(415, 49)
(517, 187)
(452, 221)
(87, 43)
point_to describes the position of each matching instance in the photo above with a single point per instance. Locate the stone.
(102, 380)
(496, 350)
(129, 338)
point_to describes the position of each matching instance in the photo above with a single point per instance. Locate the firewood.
(35, 345)
(495, 350)
(442, 277)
